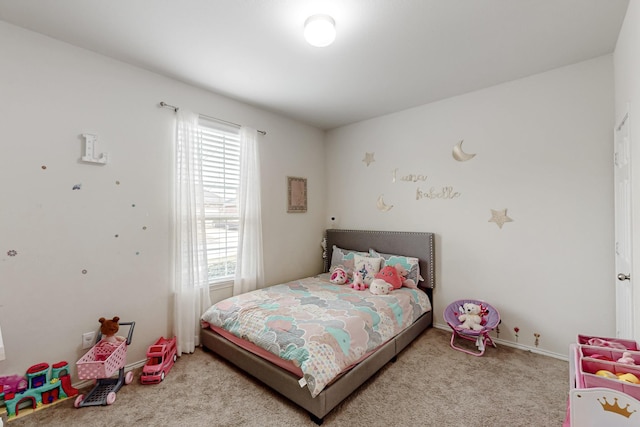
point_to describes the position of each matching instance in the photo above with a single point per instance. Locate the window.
(221, 179)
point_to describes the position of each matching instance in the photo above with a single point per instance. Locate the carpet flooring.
(429, 385)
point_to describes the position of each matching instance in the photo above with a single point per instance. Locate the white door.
(623, 279)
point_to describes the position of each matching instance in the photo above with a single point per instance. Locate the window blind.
(221, 180)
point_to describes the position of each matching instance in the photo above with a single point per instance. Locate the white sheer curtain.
(1, 347)
(191, 284)
(249, 264)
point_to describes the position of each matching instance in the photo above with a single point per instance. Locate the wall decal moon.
(382, 206)
(460, 155)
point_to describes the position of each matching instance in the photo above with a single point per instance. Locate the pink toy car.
(160, 359)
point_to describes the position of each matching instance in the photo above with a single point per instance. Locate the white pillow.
(368, 266)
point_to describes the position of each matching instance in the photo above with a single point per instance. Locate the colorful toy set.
(42, 386)
(160, 359)
(102, 361)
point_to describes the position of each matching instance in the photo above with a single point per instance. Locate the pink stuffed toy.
(390, 275)
(403, 272)
(358, 282)
(339, 276)
(626, 358)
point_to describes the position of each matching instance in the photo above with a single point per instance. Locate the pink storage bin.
(576, 374)
(588, 368)
(607, 342)
(606, 352)
(102, 361)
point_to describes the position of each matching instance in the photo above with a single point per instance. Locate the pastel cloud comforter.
(321, 327)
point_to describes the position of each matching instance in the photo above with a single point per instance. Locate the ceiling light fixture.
(320, 30)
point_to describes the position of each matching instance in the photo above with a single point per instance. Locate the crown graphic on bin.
(615, 407)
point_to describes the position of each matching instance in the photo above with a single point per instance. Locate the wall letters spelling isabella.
(444, 193)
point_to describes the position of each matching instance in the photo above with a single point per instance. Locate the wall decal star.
(368, 158)
(499, 217)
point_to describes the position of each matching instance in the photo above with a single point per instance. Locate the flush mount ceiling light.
(320, 30)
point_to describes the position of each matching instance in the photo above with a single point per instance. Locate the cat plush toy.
(338, 276)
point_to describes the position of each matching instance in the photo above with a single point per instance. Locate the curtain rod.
(175, 109)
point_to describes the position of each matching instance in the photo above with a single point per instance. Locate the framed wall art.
(296, 194)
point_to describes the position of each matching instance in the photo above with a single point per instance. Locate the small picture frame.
(296, 194)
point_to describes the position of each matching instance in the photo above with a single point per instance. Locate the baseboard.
(127, 368)
(536, 350)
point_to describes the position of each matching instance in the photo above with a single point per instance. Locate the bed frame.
(417, 244)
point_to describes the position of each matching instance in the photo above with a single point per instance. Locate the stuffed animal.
(358, 282)
(380, 287)
(108, 328)
(626, 358)
(403, 272)
(598, 342)
(338, 276)
(390, 275)
(471, 317)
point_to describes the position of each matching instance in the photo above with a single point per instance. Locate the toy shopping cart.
(100, 363)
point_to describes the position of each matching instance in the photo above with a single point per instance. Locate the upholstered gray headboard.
(417, 244)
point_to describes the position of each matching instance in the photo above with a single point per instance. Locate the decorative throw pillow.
(368, 266)
(410, 264)
(344, 258)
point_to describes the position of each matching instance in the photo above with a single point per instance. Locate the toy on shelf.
(603, 391)
(627, 358)
(42, 386)
(160, 359)
(100, 363)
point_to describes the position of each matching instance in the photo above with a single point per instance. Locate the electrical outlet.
(88, 339)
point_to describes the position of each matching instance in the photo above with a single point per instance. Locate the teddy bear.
(358, 282)
(471, 317)
(380, 287)
(391, 276)
(338, 275)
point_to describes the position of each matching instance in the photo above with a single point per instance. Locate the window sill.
(221, 285)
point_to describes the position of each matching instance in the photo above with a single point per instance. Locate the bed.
(291, 378)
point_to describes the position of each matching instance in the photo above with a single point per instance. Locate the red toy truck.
(160, 359)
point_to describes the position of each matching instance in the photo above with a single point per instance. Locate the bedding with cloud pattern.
(321, 327)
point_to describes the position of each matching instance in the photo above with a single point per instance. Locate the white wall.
(544, 149)
(50, 94)
(627, 95)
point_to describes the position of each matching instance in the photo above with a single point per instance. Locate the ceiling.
(389, 55)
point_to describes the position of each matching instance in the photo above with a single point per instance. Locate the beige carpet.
(429, 385)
